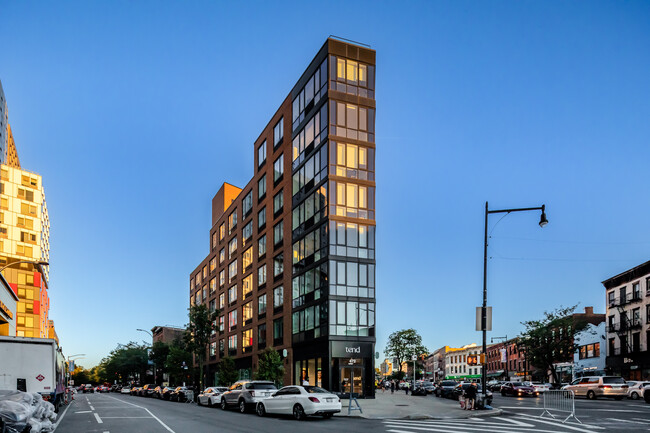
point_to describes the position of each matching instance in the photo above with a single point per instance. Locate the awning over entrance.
(496, 373)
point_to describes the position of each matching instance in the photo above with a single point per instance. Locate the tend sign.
(6, 310)
(351, 349)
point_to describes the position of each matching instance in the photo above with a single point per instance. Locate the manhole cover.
(401, 405)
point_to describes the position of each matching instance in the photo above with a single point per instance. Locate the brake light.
(605, 386)
(314, 399)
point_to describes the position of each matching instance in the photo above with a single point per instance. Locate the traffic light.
(472, 359)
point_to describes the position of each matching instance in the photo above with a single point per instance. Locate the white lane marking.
(627, 420)
(521, 407)
(440, 423)
(515, 422)
(83, 411)
(471, 428)
(99, 420)
(428, 429)
(152, 415)
(121, 417)
(92, 408)
(61, 419)
(566, 425)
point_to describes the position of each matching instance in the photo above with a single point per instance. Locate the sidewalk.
(402, 406)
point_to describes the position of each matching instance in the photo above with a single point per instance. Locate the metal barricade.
(560, 401)
(189, 396)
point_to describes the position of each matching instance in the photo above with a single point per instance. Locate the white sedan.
(211, 395)
(300, 401)
(636, 389)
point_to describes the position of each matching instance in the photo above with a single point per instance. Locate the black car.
(419, 390)
(179, 394)
(445, 388)
(460, 390)
(89, 388)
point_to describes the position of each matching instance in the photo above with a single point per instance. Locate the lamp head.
(543, 221)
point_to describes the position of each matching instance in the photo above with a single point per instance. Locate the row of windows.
(352, 240)
(314, 132)
(352, 161)
(352, 200)
(310, 94)
(350, 76)
(312, 172)
(589, 351)
(247, 340)
(352, 279)
(309, 318)
(278, 134)
(313, 244)
(351, 318)
(352, 121)
(307, 287)
(315, 205)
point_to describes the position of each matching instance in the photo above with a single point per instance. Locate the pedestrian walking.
(406, 387)
(470, 399)
(392, 386)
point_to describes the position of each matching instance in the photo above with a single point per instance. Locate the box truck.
(33, 365)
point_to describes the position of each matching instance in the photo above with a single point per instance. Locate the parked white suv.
(593, 387)
(246, 394)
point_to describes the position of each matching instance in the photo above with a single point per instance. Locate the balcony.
(625, 300)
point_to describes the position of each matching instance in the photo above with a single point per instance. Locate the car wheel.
(327, 415)
(261, 411)
(242, 406)
(224, 406)
(298, 412)
(591, 395)
(634, 396)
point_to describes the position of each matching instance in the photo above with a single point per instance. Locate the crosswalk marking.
(500, 425)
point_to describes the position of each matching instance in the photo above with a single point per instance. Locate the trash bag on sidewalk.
(15, 415)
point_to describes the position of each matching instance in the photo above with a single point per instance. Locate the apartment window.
(213, 305)
(222, 301)
(261, 335)
(247, 203)
(278, 132)
(311, 135)
(222, 255)
(222, 231)
(222, 277)
(589, 351)
(278, 266)
(261, 246)
(278, 332)
(261, 187)
(261, 218)
(247, 286)
(610, 299)
(214, 240)
(213, 349)
(232, 320)
(221, 323)
(213, 264)
(261, 275)
(352, 121)
(352, 161)
(261, 305)
(261, 154)
(247, 340)
(647, 286)
(232, 221)
(205, 272)
(622, 295)
(352, 200)
(247, 312)
(647, 319)
(636, 317)
(232, 247)
(310, 94)
(232, 345)
(636, 291)
(278, 168)
(352, 240)
(232, 271)
(213, 285)
(278, 201)
(25, 194)
(26, 237)
(278, 297)
(247, 233)
(232, 294)
(248, 258)
(221, 348)
(278, 233)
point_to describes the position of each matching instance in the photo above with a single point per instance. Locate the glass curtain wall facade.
(292, 254)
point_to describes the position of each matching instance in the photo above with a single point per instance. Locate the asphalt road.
(601, 414)
(116, 413)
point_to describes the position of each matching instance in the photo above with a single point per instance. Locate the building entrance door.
(352, 380)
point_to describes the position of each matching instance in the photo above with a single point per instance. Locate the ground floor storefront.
(630, 366)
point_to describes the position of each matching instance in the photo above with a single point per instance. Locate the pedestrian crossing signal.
(472, 359)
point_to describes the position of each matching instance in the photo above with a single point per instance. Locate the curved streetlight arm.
(33, 262)
(144, 330)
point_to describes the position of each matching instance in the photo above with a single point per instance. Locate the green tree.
(227, 372)
(80, 375)
(269, 366)
(158, 354)
(198, 333)
(126, 361)
(177, 359)
(403, 344)
(551, 340)
(398, 375)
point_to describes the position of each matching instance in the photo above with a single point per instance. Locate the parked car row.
(261, 397)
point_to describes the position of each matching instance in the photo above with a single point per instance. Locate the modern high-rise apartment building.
(292, 254)
(24, 235)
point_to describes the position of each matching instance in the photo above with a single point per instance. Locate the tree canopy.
(227, 373)
(403, 344)
(551, 339)
(198, 333)
(269, 366)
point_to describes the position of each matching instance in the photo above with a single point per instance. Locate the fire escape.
(626, 324)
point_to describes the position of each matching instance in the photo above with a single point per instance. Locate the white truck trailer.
(33, 365)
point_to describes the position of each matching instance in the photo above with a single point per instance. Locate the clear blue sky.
(136, 112)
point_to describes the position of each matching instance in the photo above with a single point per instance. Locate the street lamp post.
(33, 262)
(70, 358)
(542, 222)
(154, 364)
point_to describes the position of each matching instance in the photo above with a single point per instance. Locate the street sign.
(488, 319)
(414, 357)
